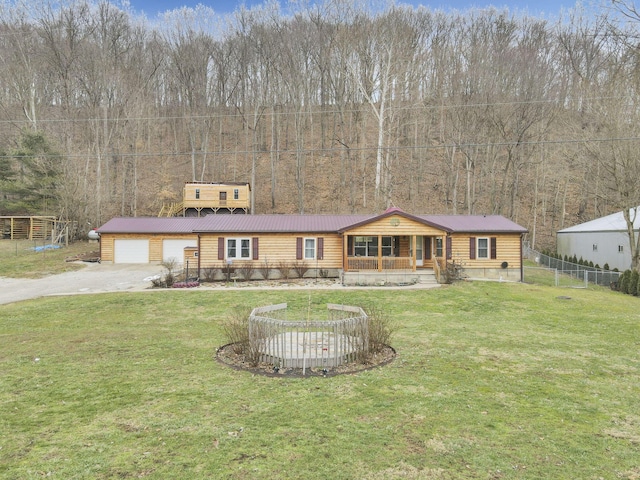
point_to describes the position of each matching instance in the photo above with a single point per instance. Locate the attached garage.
(174, 249)
(131, 251)
(147, 239)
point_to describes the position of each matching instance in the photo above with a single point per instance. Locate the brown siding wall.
(507, 248)
(275, 248)
(394, 225)
(210, 196)
(155, 243)
(106, 247)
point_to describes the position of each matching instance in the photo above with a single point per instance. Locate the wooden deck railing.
(439, 266)
(171, 209)
(371, 263)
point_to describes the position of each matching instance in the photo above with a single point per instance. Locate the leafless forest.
(335, 108)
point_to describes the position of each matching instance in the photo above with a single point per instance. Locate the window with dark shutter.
(320, 247)
(494, 248)
(254, 246)
(472, 248)
(220, 248)
(299, 248)
(449, 248)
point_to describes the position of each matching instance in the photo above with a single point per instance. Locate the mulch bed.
(228, 357)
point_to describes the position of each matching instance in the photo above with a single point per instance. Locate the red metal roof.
(150, 225)
(474, 223)
(279, 223)
(302, 223)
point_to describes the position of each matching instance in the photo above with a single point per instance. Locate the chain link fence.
(568, 274)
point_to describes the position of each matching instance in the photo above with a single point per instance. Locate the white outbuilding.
(602, 241)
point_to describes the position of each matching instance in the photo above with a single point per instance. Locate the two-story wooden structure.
(394, 247)
(202, 198)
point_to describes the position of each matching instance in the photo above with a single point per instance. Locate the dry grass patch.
(18, 259)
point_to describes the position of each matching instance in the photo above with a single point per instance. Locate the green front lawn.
(20, 259)
(492, 381)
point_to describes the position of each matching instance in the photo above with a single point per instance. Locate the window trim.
(439, 247)
(305, 249)
(486, 249)
(239, 249)
(364, 245)
(236, 193)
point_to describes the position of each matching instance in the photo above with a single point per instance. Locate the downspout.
(199, 256)
(345, 253)
(521, 259)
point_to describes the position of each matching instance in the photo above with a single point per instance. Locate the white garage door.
(174, 249)
(131, 251)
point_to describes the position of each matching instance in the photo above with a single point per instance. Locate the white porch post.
(413, 253)
(345, 253)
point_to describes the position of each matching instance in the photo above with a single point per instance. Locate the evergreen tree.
(29, 176)
(624, 281)
(633, 283)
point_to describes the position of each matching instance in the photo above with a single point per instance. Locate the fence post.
(557, 279)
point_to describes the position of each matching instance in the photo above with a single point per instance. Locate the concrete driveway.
(93, 278)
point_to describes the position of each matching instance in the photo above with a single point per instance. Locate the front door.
(419, 249)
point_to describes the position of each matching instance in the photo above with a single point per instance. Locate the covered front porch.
(394, 247)
(396, 259)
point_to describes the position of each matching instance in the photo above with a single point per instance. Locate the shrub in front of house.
(210, 274)
(245, 271)
(633, 283)
(300, 268)
(264, 270)
(624, 281)
(285, 269)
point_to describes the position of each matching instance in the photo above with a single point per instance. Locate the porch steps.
(389, 278)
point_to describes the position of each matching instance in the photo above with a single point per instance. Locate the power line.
(333, 149)
(320, 111)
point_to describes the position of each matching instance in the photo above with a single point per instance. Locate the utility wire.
(330, 150)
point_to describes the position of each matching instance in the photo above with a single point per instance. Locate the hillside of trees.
(333, 108)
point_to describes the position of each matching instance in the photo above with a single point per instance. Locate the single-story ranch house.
(392, 247)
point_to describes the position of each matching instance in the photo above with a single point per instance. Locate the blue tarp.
(46, 247)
